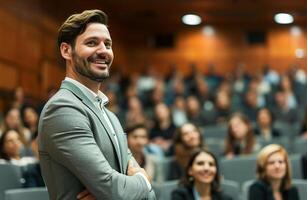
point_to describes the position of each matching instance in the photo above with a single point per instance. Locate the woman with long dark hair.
(201, 180)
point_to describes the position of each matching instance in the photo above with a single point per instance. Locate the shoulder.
(259, 187)
(293, 193)
(221, 196)
(182, 192)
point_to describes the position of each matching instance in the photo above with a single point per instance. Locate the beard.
(83, 67)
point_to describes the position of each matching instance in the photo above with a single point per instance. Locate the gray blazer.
(77, 150)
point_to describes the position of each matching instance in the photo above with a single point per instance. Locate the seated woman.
(186, 140)
(201, 180)
(274, 176)
(264, 128)
(10, 147)
(240, 139)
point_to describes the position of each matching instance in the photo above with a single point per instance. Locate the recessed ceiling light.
(296, 31)
(208, 30)
(283, 18)
(191, 19)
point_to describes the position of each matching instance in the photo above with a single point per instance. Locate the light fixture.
(191, 19)
(299, 53)
(283, 18)
(296, 31)
(208, 30)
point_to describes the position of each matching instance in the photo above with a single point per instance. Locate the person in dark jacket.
(201, 180)
(274, 176)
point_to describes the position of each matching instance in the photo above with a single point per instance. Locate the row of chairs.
(239, 169)
(163, 191)
(220, 130)
(232, 188)
(295, 145)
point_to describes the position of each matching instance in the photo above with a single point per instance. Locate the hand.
(133, 169)
(85, 195)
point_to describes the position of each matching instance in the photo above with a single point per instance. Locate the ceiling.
(166, 14)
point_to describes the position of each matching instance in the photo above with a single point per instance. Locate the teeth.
(100, 62)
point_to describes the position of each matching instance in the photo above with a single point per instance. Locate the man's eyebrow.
(97, 38)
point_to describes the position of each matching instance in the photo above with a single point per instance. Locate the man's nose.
(101, 48)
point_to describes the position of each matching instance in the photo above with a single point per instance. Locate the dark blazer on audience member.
(262, 190)
(186, 193)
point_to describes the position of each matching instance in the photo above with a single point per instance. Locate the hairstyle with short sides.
(186, 179)
(76, 24)
(262, 161)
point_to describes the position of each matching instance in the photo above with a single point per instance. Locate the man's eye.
(108, 45)
(91, 43)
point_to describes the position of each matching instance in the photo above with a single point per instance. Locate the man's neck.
(92, 85)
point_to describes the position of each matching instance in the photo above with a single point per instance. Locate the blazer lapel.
(86, 100)
(121, 138)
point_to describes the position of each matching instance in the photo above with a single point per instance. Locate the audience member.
(282, 111)
(264, 127)
(12, 120)
(201, 179)
(187, 138)
(273, 176)
(178, 109)
(240, 139)
(10, 148)
(163, 128)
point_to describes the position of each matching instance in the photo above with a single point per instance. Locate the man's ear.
(66, 51)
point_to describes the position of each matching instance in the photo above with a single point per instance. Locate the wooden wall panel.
(30, 82)
(9, 77)
(29, 45)
(225, 49)
(52, 76)
(8, 35)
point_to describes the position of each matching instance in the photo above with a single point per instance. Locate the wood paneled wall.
(227, 48)
(29, 56)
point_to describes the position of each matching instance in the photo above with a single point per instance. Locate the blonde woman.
(274, 176)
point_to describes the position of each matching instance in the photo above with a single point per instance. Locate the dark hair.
(2, 141)
(130, 128)
(178, 135)
(249, 138)
(77, 23)
(186, 180)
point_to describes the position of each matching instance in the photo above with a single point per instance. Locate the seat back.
(239, 169)
(10, 177)
(231, 188)
(164, 190)
(296, 166)
(245, 189)
(299, 146)
(301, 186)
(27, 194)
(162, 168)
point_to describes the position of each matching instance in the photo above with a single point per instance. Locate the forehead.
(11, 134)
(204, 157)
(139, 132)
(188, 128)
(96, 30)
(276, 156)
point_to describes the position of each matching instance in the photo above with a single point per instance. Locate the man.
(82, 146)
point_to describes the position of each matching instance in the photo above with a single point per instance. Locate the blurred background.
(150, 34)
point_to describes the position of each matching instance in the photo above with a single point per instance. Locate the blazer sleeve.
(69, 140)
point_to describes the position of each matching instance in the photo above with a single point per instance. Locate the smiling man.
(82, 147)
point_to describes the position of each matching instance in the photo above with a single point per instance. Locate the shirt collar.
(103, 97)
